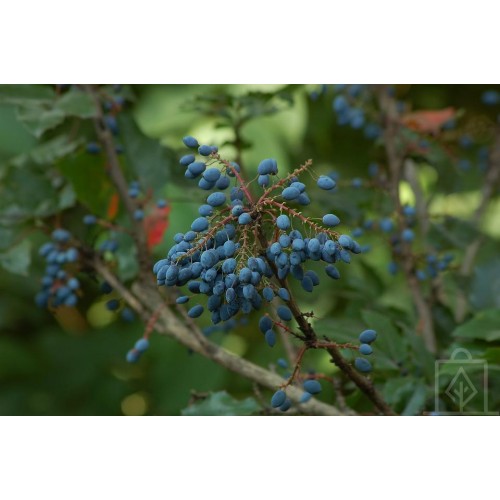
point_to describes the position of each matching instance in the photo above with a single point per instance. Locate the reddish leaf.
(428, 121)
(155, 225)
(113, 205)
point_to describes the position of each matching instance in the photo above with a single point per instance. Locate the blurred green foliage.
(48, 367)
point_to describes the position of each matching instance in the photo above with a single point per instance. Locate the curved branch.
(145, 299)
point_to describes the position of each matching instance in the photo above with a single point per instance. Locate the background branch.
(395, 158)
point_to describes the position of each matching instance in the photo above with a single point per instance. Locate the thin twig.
(116, 174)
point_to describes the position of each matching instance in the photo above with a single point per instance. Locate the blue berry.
(216, 199)
(112, 304)
(229, 248)
(133, 356)
(270, 337)
(244, 218)
(286, 405)
(89, 219)
(290, 193)
(267, 166)
(223, 182)
(138, 214)
(312, 386)
(200, 224)
(196, 311)
(345, 241)
(211, 175)
(409, 211)
(112, 124)
(365, 349)
(142, 345)
(490, 97)
(197, 168)
(331, 220)
(326, 183)
(133, 192)
(190, 142)
(305, 397)
(205, 210)
(282, 363)
(61, 235)
(363, 365)
(205, 150)
(283, 294)
(182, 300)
(313, 276)
(186, 160)
(340, 104)
(392, 267)
(303, 199)
(106, 287)
(307, 284)
(71, 300)
(278, 398)
(71, 255)
(386, 225)
(313, 245)
(298, 185)
(407, 235)
(93, 148)
(263, 180)
(73, 284)
(284, 313)
(268, 293)
(283, 222)
(421, 275)
(265, 324)
(367, 336)
(127, 315)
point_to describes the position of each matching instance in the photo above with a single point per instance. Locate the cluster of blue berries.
(219, 256)
(350, 104)
(366, 338)
(59, 286)
(312, 386)
(433, 266)
(280, 400)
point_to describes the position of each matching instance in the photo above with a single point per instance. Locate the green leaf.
(389, 340)
(49, 151)
(417, 401)
(25, 193)
(76, 103)
(15, 360)
(148, 159)
(484, 326)
(38, 118)
(407, 395)
(221, 403)
(22, 93)
(6, 237)
(485, 287)
(17, 259)
(90, 183)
